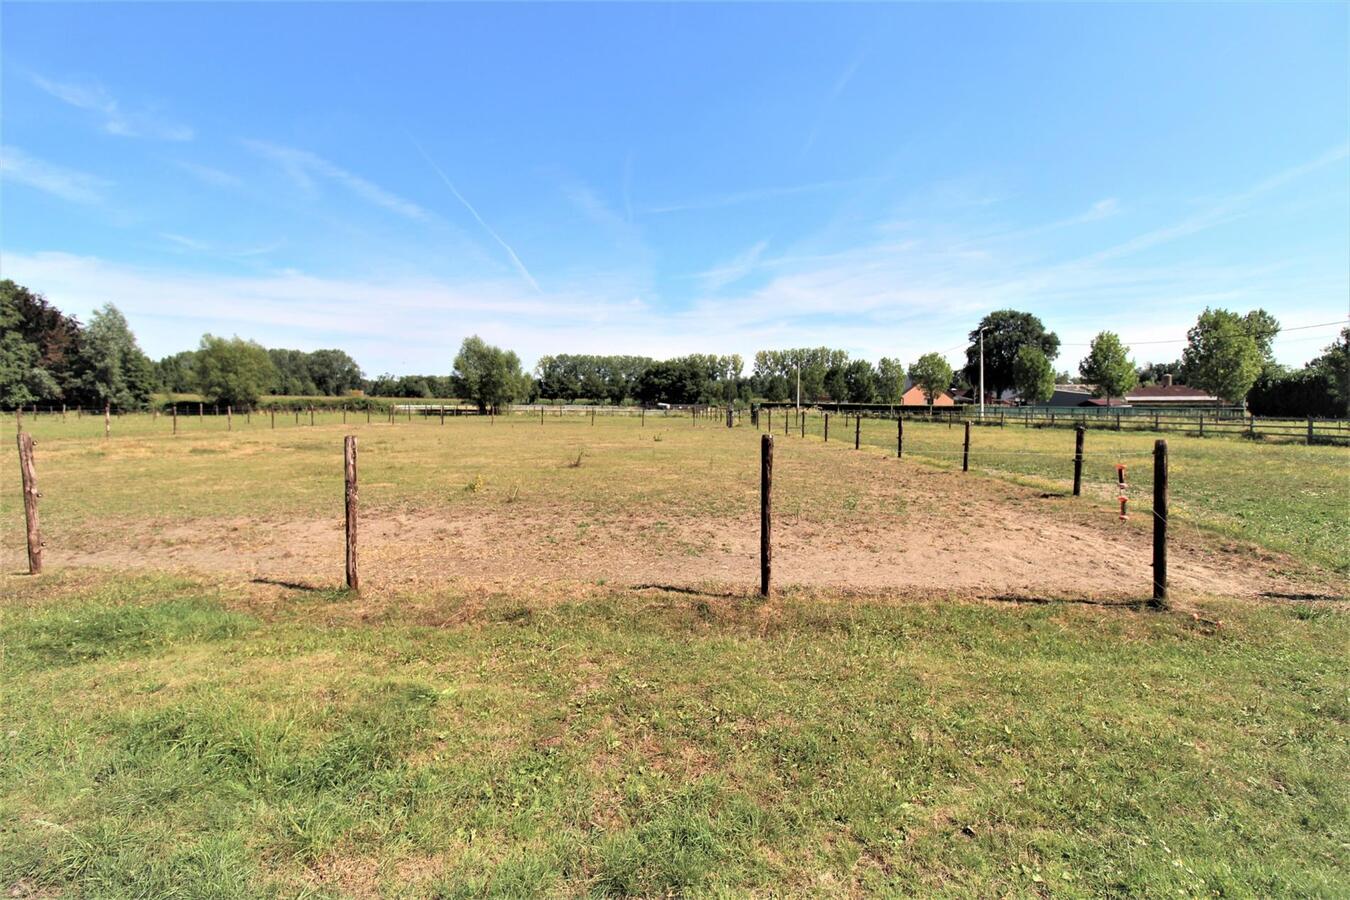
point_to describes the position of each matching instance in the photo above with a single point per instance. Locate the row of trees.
(49, 357)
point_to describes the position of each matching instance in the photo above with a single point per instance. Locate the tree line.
(48, 357)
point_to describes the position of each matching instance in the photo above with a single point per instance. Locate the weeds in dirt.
(475, 484)
(576, 463)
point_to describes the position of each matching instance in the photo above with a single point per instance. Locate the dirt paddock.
(957, 535)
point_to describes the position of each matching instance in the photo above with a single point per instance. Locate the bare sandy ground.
(957, 536)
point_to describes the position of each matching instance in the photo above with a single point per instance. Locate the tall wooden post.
(18, 419)
(803, 417)
(107, 420)
(1078, 434)
(175, 418)
(731, 422)
(229, 418)
(28, 472)
(765, 513)
(965, 450)
(349, 471)
(248, 414)
(592, 416)
(900, 437)
(857, 432)
(643, 416)
(344, 414)
(273, 411)
(63, 412)
(442, 413)
(1160, 524)
(201, 411)
(768, 420)
(311, 415)
(1310, 430)
(541, 414)
(827, 428)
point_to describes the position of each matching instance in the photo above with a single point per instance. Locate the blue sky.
(663, 179)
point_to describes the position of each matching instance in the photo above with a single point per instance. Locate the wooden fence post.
(201, 411)
(592, 416)
(107, 420)
(765, 513)
(827, 428)
(857, 432)
(175, 418)
(1160, 524)
(18, 419)
(248, 414)
(541, 414)
(1078, 434)
(965, 450)
(349, 472)
(900, 436)
(768, 420)
(229, 418)
(442, 413)
(30, 503)
(1310, 430)
(311, 415)
(63, 412)
(803, 424)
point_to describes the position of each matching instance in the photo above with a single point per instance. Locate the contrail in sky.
(515, 260)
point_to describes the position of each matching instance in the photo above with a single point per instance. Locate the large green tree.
(890, 380)
(22, 378)
(1334, 365)
(112, 368)
(1221, 355)
(932, 374)
(1108, 368)
(1005, 332)
(1033, 376)
(233, 371)
(489, 376)
(333, 372)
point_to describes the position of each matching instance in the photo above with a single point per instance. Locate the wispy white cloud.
(734, 269)
(303, 167)
(510, 251)
(210, 248)
(68, 184)
(209, 174)
(735, 198)
(115, 117)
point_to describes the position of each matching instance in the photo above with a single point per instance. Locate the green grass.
(165, 737)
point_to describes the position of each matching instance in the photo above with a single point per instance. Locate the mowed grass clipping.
(164, 737)
(1281, 496)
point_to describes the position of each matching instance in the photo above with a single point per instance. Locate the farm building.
(1171, 396)
(915, 397)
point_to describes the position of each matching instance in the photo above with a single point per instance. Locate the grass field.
(559, 682)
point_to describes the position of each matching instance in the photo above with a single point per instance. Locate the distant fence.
(1198, 422)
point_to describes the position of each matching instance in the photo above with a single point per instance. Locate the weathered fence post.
(592, 416)
(1160, 524)
(541, 414)
(857, 432)
(900, 437)
(442, 413)
(349, 472)
(248, 414)
(1078, 434)
(18, 419)
(229, 418)
(63, 412)
(28, 473)
(642, 415)
(1310, 430)
(201, 411)
(803, 424)
(827, 428)
(311, 415)
(768, 420)
(765, 513)
(175, 418)
(965, 450)
(107, 420)
(731, 422)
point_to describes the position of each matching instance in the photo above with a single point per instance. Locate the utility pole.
(981, 374)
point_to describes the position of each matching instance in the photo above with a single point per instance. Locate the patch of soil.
(957, 534)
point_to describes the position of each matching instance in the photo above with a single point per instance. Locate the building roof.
(1168, 392)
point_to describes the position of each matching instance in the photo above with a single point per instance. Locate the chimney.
(1167, 380)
